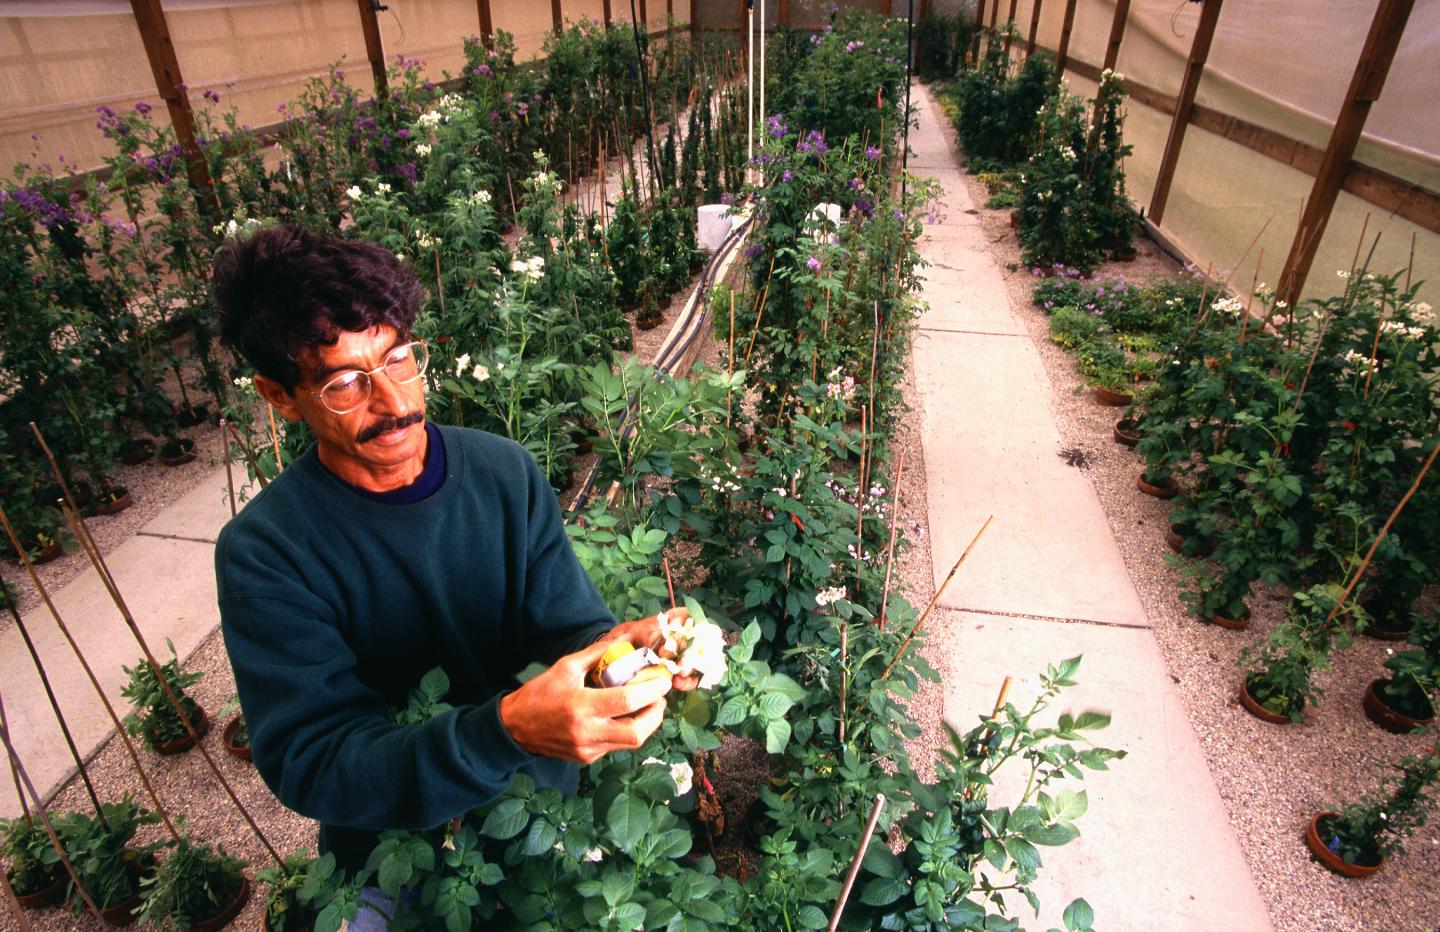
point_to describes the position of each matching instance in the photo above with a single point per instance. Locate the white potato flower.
(461, 364)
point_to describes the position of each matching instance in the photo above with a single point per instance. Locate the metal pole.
(764, 23)
(1185, 103)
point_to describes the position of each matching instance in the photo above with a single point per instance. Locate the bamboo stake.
(1249, 302)
(1360, 243)
(15, 775)
(1410, 266)
(865, 837)
(15, 901)
(229, 473)
(669, 583)
(1404, 500)
(935, 599)
(249, 456)
(50, 828)
(90, 674)
(890, 550)
(54, 705)
(1320, 340)
(759, 315)
(275, 439)
(730, 357)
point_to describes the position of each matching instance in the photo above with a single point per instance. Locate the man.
(389, 548)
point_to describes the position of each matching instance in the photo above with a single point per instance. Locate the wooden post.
(782, 13)
(740, 16)
(1035, 29)
(557, 17)
(1184, 104)
(644, 14)
(374, 46)
(1117, 32)
(1010, 26)
(606, 13)
(487, 23)
(155, 35)
(1063, 52)
(1365, 87)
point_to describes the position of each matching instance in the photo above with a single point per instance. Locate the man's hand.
(557, 715)
(646, 633)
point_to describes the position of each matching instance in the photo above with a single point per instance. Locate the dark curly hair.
(284, 291)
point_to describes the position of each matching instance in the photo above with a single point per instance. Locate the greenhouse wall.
(62, 59)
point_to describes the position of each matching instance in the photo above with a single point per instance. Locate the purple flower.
(403, 133)
(777, 126)
(787, 175)
(813, 264)
(143, 108)
(211, 96)
(872, 152)
(752, 251)
(408, 171)
(853, 45)
(864, 206)
(813, 144)
(522, 108)
(856, 184)
(485, 70)
(727, 199)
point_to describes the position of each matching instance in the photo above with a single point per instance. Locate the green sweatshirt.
(333, 607)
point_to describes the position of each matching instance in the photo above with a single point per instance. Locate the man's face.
(381, 444)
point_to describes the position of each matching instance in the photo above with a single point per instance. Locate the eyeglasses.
(349, 390)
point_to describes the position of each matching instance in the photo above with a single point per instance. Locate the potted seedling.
(236, 736)
(113, 499)
(109, 867)
(1356, 841)
(1278, 683)
(1405, 700)
(197, 887)
(34, 873)
(177, 451)
(649, 315)
(155, 717)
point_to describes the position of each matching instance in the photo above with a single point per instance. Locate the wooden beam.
(994, 20)
(1034, 29)
(782, 13)
(1184, 104)
(1365, 86)
(606, 12)
(374, 45)
(644, 14)
(1010, 25)
(165, 67)
(557, 17)
(487, 23)
(1117, 32)
(1066, 28)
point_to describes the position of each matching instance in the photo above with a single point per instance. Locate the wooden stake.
(730, 356)
(90, 675)
(1254, 283)
(15, 775)
(890, 550)
(15, 906)
(249, 456)
(935, 599)
(759, 315)
(669, 583)
(849, 884)
(1184, 107)
(275, 438)
(229, 474)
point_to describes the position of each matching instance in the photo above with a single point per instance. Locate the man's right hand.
(557, 715)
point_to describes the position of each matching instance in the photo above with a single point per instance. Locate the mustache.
(389, 424)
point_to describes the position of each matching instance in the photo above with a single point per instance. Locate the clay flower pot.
(1330, 859)
(1379, 711)
(51, 551)
(192, 415)
(1176, 536)
(227, 912)
(1124, 254)
(1112, 399)
(1230, 624)
(200, 722)
(1256, 709)
(178, 453)
(1380, 633)
(137, 451)
(112, 501)
(647, 323)
(1127, 432)
(231, 738)
(45, 896)
(1166, 488)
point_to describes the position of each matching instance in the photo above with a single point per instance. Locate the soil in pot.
(1317, 830)
(51, 894)
(1161, 488)
(237, 738)
(198, 721)
(227, 912)
(1181, 539)
(1256, 709)
(191, 415)
(1111, 398)
(178, 452)
(51, 551)
(1127, 432)
(1398, 714)
(137, 451)
(112, 501)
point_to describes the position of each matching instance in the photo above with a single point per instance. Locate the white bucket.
(714, 223)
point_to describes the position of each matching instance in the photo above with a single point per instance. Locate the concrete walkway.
(1047, 582)
(166, 574)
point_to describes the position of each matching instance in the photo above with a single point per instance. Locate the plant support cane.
(229, 473)
(855, 864)
(890, 548)
(94, 681)
(934, 600)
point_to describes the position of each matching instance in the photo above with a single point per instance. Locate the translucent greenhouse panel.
(529, 23)
(54, 71)
(433, 31)
(814, 14)
(579, 10)
(258, 56)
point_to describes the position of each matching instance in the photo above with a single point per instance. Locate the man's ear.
(282, 401)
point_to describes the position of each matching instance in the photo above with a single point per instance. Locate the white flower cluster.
(1399, 328)
(1229, 305)
(532, 268)
(863, 556)
(1356, 363)
(829, 596)
(1068, 152)
(1424, 315)
(838, 387)
(682, 773)
(450, 103)
(478, 372)
(696, 646)
(426, 241)
(479, 198)
(431, 118)
(423, 150)
(243, 383)
(719, 484)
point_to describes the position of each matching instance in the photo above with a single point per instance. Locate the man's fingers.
(628, 699)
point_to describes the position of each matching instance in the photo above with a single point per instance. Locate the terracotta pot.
(1256, 709)
(1329, 858)
(229, 911)
(51, 551)
(232, 727)
(45, 896)
(1383, 714)
(1375, 631)
(189, 417)
(1112, 399)
(1124, 254)
(647, 323)
(113, 501)
(137, 451)
(123, 912)
(178, 455)
(1127, 432)
(1169, 488)
(1230, 624)
(1014, 219)
(201, 724)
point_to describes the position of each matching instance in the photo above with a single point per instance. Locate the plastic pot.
(179, 453)
(49, 895)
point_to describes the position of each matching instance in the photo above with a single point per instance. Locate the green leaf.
(812, 917)
(506, 820)
(1070, 805)
(1091, 720)
(395, 870)
(774, 705)
(785, 686)
(1078, 916)
(541, 838)
(1023, 852)
(777, 735)
(628, 819)
(1054, 835)
(733, 712)
(882, 891)
(883, 862)
(995, 853)
(616, 887)
(705, 909)
(630, 916)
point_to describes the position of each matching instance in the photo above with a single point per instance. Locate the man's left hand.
(646, 633)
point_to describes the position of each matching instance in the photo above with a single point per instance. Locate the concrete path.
(166, 574)
(1047, 582)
